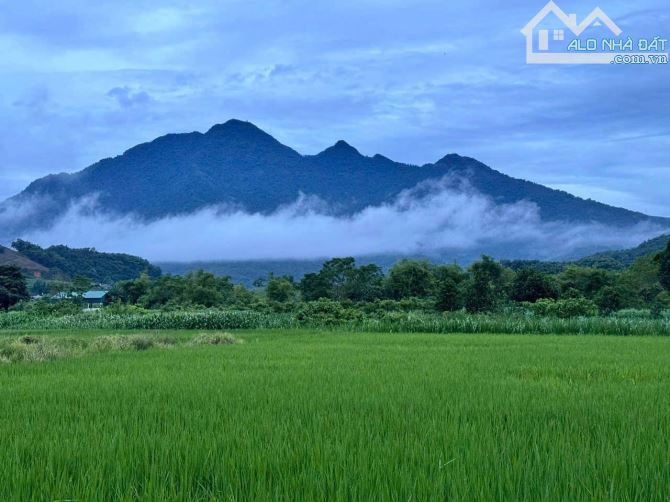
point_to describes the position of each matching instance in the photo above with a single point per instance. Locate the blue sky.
(413, 81)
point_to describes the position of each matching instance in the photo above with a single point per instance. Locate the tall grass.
(393, 322)
(43, 348)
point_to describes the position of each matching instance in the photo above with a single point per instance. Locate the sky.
(81, 81)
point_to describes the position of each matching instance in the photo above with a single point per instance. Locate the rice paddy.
(314, 415)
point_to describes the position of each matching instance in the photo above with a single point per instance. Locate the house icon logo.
(541, 48)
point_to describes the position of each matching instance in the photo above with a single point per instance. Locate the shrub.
(565, 308)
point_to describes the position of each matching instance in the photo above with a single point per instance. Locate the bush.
(564, 309)
(326, 313)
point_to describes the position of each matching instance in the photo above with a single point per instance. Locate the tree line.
(484, 286)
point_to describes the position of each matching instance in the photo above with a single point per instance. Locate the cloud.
(127, 98)
(433, 218)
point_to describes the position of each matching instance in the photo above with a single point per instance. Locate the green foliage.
(200, 288)
(410, 278)
(105, 268)
(588, 281)
(340, 279)
(13, 287)
(609, 299)
(364, 284)
(564, 308)
(325, 313)
(486, 288)
(530, 285)
(280, 289)
(81, 284)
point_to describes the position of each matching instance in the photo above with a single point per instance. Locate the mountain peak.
(236, 127)
(341, 149)
(453, 160)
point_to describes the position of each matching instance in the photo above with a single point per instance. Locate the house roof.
(94, 295)
(571, 21)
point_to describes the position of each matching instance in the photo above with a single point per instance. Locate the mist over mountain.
(235, 192)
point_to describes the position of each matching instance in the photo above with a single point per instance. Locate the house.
(547, 45)
(94, 299)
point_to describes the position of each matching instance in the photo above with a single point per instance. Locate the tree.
(131, 291)
(410, 279)
(664, 268)
(339, 279)
(448, 296)
(314, 286)
(530, 286)
(446, 283)
(609, 299)
(336, 272)
(364, 284)
(13, 286)
(588, 281)
(81, 284)
(280, 289)
(486, 286)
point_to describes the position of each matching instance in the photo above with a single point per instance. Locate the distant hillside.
(105, 268)
(27, 266)
(247, 272)
(608, 260)
(616, 260)
(239, 165)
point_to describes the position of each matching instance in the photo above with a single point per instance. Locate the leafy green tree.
(588, 281)
(130, 292)
(242, 297)
(314, 286)
(410, 279)
(340, 279)
(609, 299)
(336, 272)
(81, 284)
(13, 288)
(486, 287)
(447, 280)
(280, 289)
(364, 284)
(449, 296)
(530, 285)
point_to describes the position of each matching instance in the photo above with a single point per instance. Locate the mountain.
(238, 165)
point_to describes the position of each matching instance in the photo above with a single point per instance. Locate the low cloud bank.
(428, 219)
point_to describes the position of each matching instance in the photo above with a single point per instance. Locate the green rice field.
(328, 415)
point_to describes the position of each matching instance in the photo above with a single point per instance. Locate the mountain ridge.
(237, 164)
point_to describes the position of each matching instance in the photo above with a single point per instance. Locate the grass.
(36, 348)
(389, 322)
(307, 415)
